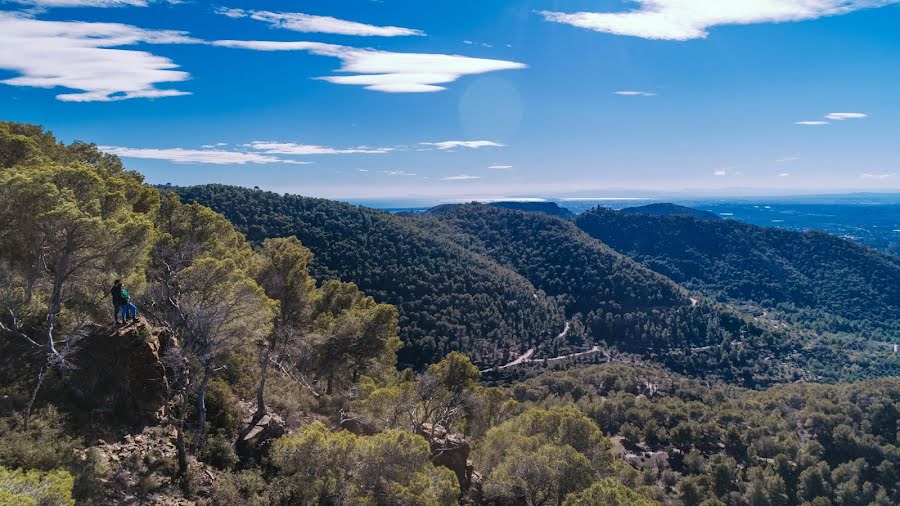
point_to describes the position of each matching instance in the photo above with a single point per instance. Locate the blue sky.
(470, 99)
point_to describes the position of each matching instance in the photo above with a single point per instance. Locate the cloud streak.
(386, 71)
(83, 3)
(289, 148)
(692, 19)
(628, 93)
(83, 56)
(841, 116)
(461, 177)
(197, 156)
(445, 145)
(308, 23)
(811, 123)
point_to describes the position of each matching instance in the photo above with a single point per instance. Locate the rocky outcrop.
(120, 372)
(452, 451)
(257, 437)
(141, 470)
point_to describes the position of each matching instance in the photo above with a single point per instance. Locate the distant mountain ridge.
(548, 208)
(665, 209)
(813, 279)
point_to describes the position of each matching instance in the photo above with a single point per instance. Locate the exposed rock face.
(256, 439)
(452, 451)
(142, 470)
(120, 371)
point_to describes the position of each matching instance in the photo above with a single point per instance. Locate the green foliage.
(223, 409)
(456, 373)
(789, 444)
(243, 488)
(46, 445)
(541, 456)
(36, 488)
(393, 467)
(355, 335)
(608, 492)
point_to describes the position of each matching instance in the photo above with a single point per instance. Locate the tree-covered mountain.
(449, 298)
(617, 300)
(548, 208)
(804, 279)
(664, 209)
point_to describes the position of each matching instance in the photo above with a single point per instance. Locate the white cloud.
(691, 19)
(500, 167)
(811, 123)
(877, 176)
(634, 93)
(463, 144)
(289, 148)
(383, 70)
(461, 177)
(840, 116)
(81, 56)
(82, 3)
(784, 174)
(204, 156)
(397, 173)
(308, 23)
(720, 172)
(787, 159)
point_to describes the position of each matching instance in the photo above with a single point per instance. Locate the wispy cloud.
(461, 177)
(878, 176)
(629, 93)
(500, 167)
(308, 23)
(787, 159)
(784, 174)
(81, 56)
(83, 3)
(445, 145)
(720, 172)
(395, 173)
(289, 148)
(811, 123)
(691, 19)
(386, 71)
(840, 116)
(199, 156)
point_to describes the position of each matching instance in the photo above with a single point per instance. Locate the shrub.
(44, 446)
(37, 488)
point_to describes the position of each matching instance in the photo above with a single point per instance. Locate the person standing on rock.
(128, 308)
(117, 300)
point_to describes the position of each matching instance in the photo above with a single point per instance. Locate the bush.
(89, 484)
(246, 488)
(44, 446)
(36, 488)
(219, 452)
(223, 409)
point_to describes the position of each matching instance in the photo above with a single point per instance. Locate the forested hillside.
(449, 298)
(790, 444)
(670, 210)
(809, 280)
(619, 301)
(548, 208)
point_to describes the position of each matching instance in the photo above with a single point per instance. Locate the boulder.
(450, 451)
(120, 372)
(257, 437)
